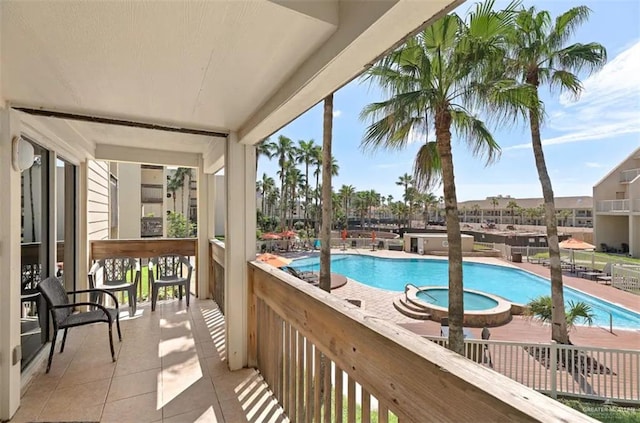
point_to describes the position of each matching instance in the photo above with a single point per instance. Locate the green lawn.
(605, 413)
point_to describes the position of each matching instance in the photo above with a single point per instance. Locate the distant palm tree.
(346, 192)
(444, 72)
(283, 149)
(539, 55)
(306, 157)
(264, 148)
(405, 181)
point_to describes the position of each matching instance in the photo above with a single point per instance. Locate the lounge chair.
(306, 276)
(606, 274)
(593, 275)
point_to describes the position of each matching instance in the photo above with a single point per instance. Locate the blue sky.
(583, 139)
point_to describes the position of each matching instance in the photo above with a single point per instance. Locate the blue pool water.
(472, 301)
(513, 284)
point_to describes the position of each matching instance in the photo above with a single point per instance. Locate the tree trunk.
(559, 331)
(325, 236)
(456, 305)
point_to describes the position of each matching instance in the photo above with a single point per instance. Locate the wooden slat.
(365, 404)
(293, 369)
(383, 413)
(326, 383)
(301, 378)
(308, 380)
(141, 248)
(422, 382)
(317, 386)
(338, 392)
(351, 400)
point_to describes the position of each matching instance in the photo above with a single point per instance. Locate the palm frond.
(427, 169)
(566, 81)
(475, 134)
(566, 25)
(577, 57)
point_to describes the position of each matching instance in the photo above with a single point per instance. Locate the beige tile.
(206, 349)
(78, 396)
(198, 396)
(134, 384)
(229, 384)
(126, 366)
(207, 415)
(138, 409)
(80, 373)
(88, 414)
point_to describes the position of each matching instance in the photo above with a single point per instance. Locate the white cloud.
(593, 164)
(608, 107)
(337, 113)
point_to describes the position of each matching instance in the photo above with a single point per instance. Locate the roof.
(580, 202)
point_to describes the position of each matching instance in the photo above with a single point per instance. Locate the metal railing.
(566, 370)
(629, 175)
(613, 205)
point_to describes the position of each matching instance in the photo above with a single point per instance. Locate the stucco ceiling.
(243, 65)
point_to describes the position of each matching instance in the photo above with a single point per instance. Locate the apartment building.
(507, 210)
(616, 197)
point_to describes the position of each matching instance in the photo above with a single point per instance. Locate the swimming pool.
(512, 284)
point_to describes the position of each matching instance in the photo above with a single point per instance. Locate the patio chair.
(594, 274)
(116, 275)
(168, 270)
(63, 316)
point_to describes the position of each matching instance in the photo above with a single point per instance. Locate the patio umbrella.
(373, 236)
(343, 235)
(274, 260)
(271, 235)
(288, 234)
(575, 244)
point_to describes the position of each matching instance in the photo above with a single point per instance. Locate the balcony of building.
(629, 175)
(613, 206)
(173, 364)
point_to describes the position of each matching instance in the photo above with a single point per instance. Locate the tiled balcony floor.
(170, 367)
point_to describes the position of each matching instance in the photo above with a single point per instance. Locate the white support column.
(240, 244)
(83, 227)
(204, 223)
(9, 269)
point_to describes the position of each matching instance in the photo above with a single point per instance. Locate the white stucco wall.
(129, 202)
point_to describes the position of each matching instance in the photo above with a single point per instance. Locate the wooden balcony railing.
(321, 356)
(216, 272)
(143, 250)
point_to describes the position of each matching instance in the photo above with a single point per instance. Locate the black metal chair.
(169, 270)
(63, 316)
(116, 275)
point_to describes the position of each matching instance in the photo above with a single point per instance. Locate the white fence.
(626, 277)
(565, 370)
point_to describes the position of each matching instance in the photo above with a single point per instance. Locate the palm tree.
(538, 55)
(346, 192)
(494, 203)
(283, 150)
(306, 156)
(512, 206)
(264, 187)
(327, 172)
(264, 148)
(405, 181)
(445, 71)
